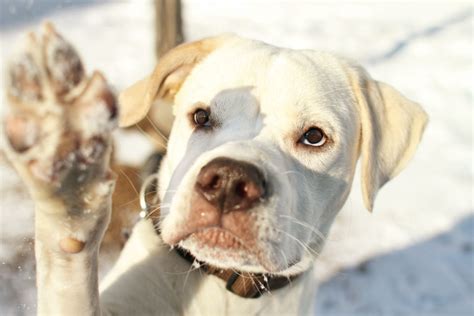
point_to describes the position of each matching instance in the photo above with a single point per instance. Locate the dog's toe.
(63, 65)
(24, 80)
(21, 132)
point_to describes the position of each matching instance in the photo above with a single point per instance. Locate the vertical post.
(168, 34)
(169, 30)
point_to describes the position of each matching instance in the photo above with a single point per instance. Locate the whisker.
(129, 180)
(156, 129)
(287, 264)
(303, 245)
(312, 229)
(129, 202)
(253, 281)
(296, 173)
(181, 272)
(262, 287)
(135, 199)
(194, 265)
(157, 208)
(151, 138)
(138, 174)
(285, 257)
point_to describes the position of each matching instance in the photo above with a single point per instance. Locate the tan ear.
(165, 81)
(392, 127)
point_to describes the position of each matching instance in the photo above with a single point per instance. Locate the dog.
(260, 159)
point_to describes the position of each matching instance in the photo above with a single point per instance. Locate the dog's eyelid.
(199, 105)
(310, 120)
(200, 117)
(313, 137)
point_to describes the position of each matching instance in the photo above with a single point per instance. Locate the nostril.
(241, 189)
(209, 181)
(249, 190)
(215, 182)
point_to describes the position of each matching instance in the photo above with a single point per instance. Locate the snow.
(415, 254)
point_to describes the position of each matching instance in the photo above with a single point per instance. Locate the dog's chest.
(155, 272)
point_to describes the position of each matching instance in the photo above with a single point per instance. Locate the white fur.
(263, 98)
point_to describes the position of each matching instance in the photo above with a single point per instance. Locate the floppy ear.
(391, 128)
(166, 79)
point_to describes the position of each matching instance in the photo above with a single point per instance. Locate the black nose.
(230, 184)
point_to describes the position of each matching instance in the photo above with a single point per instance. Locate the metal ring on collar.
(147, 187)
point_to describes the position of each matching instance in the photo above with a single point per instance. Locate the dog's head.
(264, 146)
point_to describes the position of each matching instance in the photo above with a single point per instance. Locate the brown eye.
(201, 117)
(313, 137)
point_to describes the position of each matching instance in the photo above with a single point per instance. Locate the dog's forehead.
(283, 81)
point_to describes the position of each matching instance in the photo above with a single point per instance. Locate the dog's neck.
(243, 284)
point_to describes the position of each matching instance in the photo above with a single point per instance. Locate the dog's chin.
(222, 249)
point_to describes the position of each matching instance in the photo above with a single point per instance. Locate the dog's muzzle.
(225, 193)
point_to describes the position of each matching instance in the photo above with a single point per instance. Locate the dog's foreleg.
(67, 258)
(59, 141)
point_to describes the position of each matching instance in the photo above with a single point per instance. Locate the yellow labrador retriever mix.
(260, 159)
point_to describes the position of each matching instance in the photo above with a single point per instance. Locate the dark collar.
(243, 284)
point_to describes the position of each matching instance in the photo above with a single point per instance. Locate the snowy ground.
(415, 254)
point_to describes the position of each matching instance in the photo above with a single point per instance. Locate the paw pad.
(22, 132)
(71, 245)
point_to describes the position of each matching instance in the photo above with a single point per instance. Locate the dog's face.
(257, 164)
(264, 147)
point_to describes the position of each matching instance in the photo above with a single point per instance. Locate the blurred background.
(415, 254)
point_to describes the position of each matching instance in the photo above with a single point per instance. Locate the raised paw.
(59, 128)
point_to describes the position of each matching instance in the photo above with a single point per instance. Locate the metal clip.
(148, 187)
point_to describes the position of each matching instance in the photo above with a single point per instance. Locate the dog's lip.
(239, 245)
(219, 232)
(218, 237)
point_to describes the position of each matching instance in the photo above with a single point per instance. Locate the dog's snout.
(231, 185)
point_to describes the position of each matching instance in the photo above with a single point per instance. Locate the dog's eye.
(313, 137)
(201, 118)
